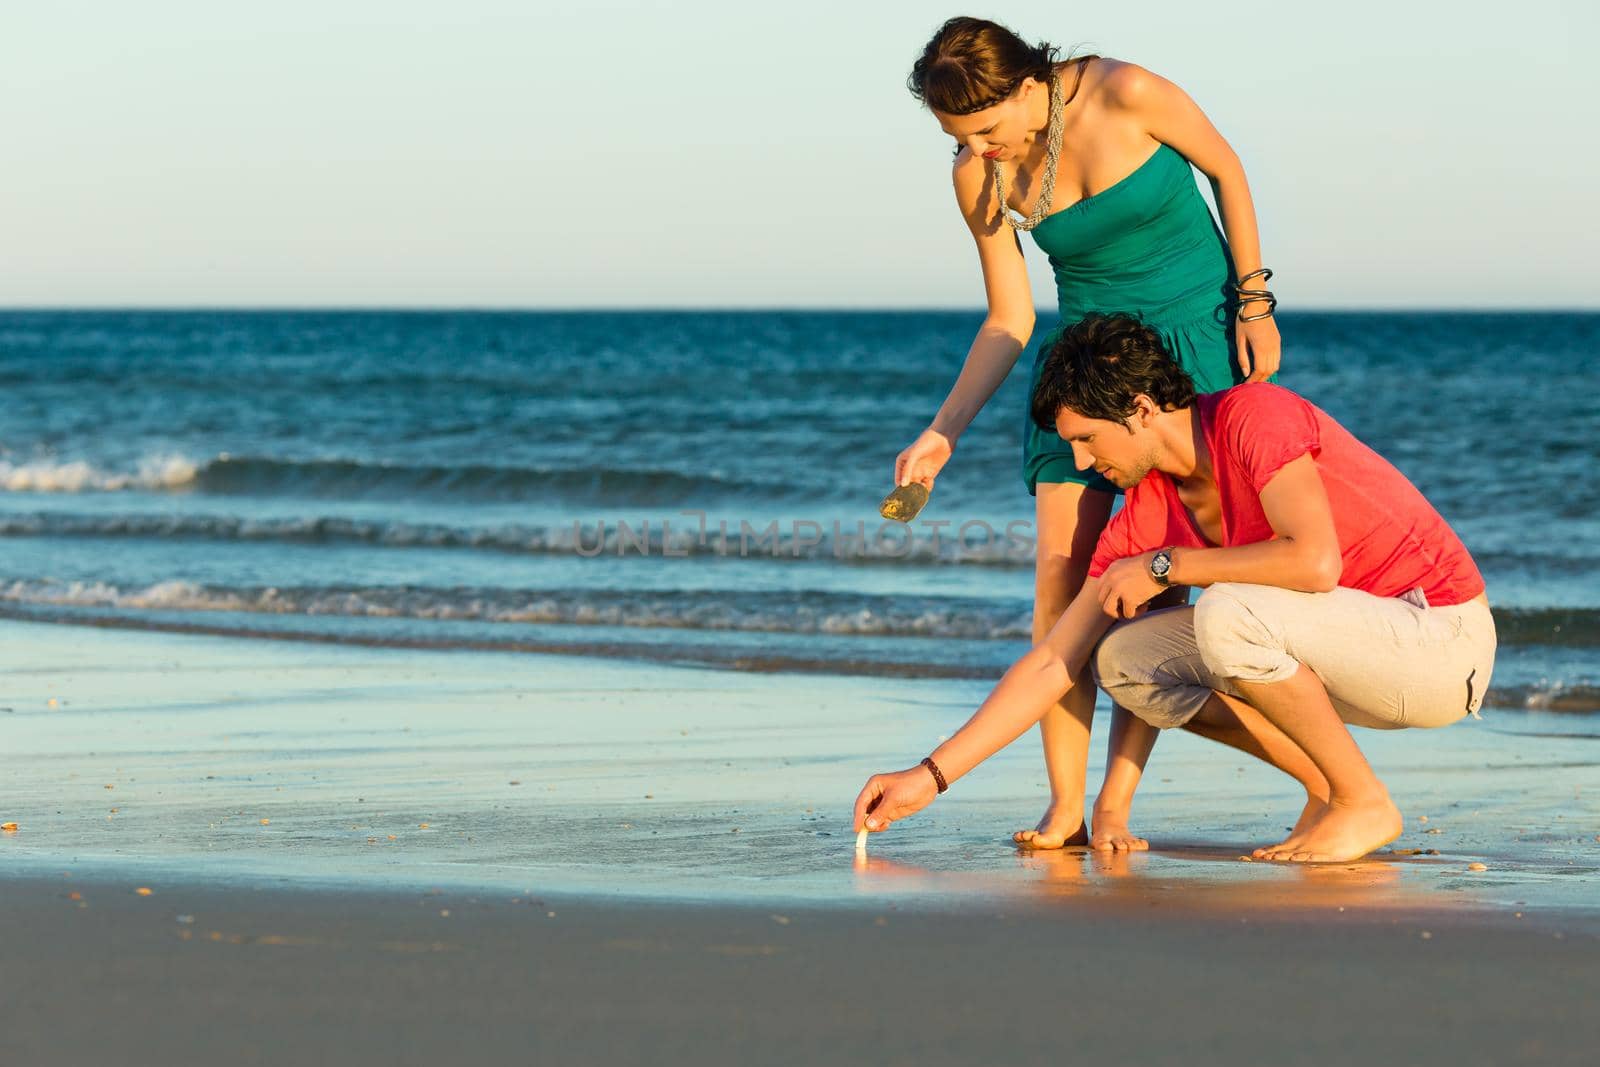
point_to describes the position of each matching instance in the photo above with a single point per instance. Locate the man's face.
(1124, 452)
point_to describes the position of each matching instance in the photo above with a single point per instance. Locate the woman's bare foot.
(1346, 830)
(1057, 829)
(1111, 835)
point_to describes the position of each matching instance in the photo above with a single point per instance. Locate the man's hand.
(1126, 586)
(891, 797)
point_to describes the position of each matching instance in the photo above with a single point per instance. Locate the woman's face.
(1001, 131)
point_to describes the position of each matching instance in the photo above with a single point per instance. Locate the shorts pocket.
(1415, 627)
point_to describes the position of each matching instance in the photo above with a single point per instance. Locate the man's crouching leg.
(1244, 634)
(1152, 666)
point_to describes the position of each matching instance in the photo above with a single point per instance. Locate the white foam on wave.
(572, 608)
(602, 540)
(79, 476)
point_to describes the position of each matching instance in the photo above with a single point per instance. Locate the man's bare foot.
(1346, 830)
(1309, 815)
(1111, 835)
(1313, 810)
(1057, 829)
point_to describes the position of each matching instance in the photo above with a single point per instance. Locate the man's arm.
(1303, 554)
(1028, 689)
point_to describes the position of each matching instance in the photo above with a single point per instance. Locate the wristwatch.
(1160, 567)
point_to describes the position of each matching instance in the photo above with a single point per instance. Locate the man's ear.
(1145, 411)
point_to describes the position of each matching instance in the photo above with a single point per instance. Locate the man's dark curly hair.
(1100, 364)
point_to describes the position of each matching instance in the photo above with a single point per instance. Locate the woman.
(1094, 157)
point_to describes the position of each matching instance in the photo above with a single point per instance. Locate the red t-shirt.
(1391, 538)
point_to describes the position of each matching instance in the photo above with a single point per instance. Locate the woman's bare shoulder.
(970, 175)
(1121, 83)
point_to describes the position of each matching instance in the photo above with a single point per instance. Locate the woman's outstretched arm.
(1000, 339)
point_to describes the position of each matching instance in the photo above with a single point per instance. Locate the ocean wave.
(228, 475)
(783, 611)
(679, 654)
(1546, 696)
(764, 612)
(1553, 627)
(672, 537)
(155, 474)
(758, 653)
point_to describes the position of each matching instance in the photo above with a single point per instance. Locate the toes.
(1035, 841)
(1119, 844)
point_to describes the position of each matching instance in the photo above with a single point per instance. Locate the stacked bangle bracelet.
(1247, 295)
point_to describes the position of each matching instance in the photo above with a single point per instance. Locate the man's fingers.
(1108, 593)
(866, 801)
(876, 816)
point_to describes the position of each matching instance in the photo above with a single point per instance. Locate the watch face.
(1161, 564)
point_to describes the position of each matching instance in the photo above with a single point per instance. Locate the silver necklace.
(1052, 152)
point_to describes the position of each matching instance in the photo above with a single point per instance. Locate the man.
(1333, 594)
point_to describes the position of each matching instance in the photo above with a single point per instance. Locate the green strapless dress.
(1150, 246)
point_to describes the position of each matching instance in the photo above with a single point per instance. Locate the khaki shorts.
(1387, 663)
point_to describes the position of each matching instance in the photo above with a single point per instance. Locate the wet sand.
(223, 975)
(689, 829)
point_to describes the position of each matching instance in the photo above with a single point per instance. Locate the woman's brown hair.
(971, 64)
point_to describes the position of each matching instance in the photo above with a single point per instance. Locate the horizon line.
(649, 309)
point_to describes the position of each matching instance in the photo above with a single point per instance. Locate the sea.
(690, 487)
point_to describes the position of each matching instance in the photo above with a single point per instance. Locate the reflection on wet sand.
(1199, 879)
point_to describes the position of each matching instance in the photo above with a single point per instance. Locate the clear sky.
(481, 153)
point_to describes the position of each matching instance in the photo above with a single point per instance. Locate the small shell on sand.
(1477, 866)
(861, 841)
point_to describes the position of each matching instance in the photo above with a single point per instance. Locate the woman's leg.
(1068, 518)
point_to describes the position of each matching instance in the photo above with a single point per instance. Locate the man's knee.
(1130, 665)
(1238, 637)
(1118, 659)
